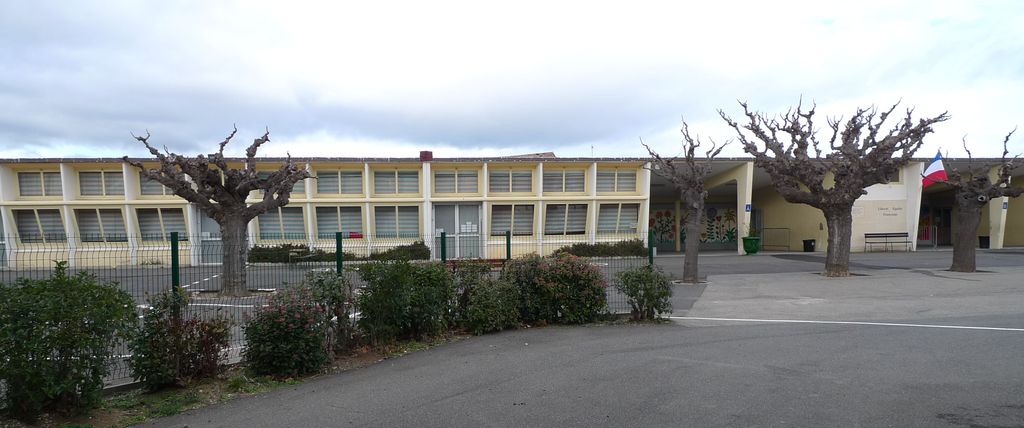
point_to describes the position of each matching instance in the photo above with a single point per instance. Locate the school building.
(86, 210)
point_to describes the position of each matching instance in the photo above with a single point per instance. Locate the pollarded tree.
(221, 191)
(860, 153)
(974, 189)
(687, 174)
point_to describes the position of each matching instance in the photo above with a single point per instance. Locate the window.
(455, 181)
(618, 218)
(616, 180)
(400, 221)
(298, 190)
(339, 182)
(152, 187)
(43, 225)
(510, 181)
(347, 220)
(517, 217)
(3, 246)
(564, 181)
(391, 182)
(100, 183)
(565, 219)
(39, 183)
(156, 224)
(282, 223)
(100, 225)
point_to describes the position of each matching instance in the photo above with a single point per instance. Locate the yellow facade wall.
(1014, 231)
(788, 224)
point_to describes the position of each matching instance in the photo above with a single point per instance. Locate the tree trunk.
(695, 210)
(840, 232)
(967, 221)
(236, 253)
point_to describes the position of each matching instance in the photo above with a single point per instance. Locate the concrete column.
(69, 188)
(912, 182)
(644, 219)
(996, 216)
(427, 222)
(744, 195)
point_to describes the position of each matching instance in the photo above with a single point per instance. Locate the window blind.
(292, 224)
(51, 184)
(408, 181)
(90, 183)
(151, 187)
(329, 220)
(30, 184)
(444, 182)
(327, 182)
(467, 182)
(351, 182)
(384, 182)
(498, 181)
(605, 180)
(501, 219)
(625, 181)
(113, 183)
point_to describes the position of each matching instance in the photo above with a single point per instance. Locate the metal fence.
(144, 266)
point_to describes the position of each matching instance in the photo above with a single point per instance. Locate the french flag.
(935, 172)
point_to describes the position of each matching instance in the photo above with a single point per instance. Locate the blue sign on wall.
(747, 208)
(1006, 205)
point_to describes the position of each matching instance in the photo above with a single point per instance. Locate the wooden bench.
(887, 240)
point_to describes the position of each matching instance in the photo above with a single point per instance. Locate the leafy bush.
(493, 305)
(403, 300)
(283, 254)
(627, 248)
(334, 292)
(647, 290)
(56, 338)
(174, 348)
(469, 274)
(288, 337)
(535, 304)
(416, 251)
(575, 288)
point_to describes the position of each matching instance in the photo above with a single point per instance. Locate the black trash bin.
(808, 245)
(983, 242)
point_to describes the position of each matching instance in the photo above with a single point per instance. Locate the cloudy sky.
(476, 78)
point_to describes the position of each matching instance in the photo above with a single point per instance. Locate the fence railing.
(144, 268)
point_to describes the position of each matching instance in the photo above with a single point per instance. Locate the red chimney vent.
(426, 156)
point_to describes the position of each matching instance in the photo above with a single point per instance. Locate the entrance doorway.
(461, 225)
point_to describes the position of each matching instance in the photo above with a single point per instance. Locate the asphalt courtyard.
(765, 342)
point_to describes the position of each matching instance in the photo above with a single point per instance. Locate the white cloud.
(479, 78)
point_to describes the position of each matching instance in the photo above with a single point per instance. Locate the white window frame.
(338, 210)
(164, 190)
(396, 173)
(338, 175)
(512, 219)
(509, 173)
(562, 172)
(615, 179)
(104, 190)
(104, 235)
(456, 173)
(280, 232)
(565, 219)
(42, 184)
(165, 235)
(397, 232)
(619, 229)
(43, 236)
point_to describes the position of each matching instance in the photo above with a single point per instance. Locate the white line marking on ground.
(201, 280)
(884, 324)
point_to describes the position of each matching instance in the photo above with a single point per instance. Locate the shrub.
(627, 248)
(469, 274)
(647, 290)
(283, 254)
(288, 337)
(416, 251)
(493, 305)
(431, 300)
(403, 300)
(174, 348)
(575, 287)
(535, 304)
(56, 338)
(334, 292)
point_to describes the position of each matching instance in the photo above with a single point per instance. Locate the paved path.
(904, 364)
